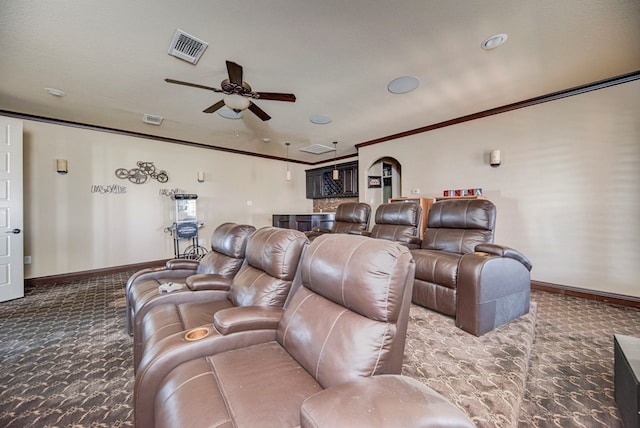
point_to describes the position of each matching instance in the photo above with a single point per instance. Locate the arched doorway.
(388, 170)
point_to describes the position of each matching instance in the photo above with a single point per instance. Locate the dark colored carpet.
(66, 360)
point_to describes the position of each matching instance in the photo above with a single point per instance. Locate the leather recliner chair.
(271, 260)
(342, 329)
(350, 216)
(460, 272)
(214, 271)
(398, 221)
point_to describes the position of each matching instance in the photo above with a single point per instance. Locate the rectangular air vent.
(152, 119)
(187, 47)
(317, 149)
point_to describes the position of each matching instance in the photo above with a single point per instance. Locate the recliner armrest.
(503, 251)
(208, 281)
(397, 400)
(243, 318)
(414, 243)
(182, 264)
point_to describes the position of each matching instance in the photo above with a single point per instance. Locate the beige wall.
(567, 191)
(69, 229)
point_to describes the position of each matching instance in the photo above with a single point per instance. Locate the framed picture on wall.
(374, 181)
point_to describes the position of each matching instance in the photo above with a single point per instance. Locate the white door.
(11, 234)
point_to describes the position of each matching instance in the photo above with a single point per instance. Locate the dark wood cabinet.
(320, 182)
(303, 222)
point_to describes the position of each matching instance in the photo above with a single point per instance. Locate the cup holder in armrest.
(482, 253)
(196, 333)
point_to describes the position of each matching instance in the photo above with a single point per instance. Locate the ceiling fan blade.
(195, 85)
(259, 112)
(235, 73)
(214, 107)
(275, 96)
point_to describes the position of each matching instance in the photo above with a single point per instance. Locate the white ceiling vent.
(187, 47)
(152, 119)
(317, 149)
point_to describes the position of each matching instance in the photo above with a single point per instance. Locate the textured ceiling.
(337, 57)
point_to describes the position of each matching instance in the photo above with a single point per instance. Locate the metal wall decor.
(141, 174)
(110, 188)
(171, 192)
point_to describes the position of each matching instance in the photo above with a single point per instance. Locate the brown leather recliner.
(398, 221)
(228, 243)
(460, 272)
(350, 216)
(345, 323)
(271, 259)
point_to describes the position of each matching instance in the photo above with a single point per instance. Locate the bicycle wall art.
(142, 173)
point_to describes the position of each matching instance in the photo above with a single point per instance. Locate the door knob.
(16, 231)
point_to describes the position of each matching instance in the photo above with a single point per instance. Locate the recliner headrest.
(276, 251)
(353, 212)
(399, 213)
(462, 214)
(231, 239)
(363, 274)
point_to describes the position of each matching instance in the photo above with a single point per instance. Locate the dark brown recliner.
(271, 259)
(215, 270)
(398, 221)
(345, 323)
(460, 272)
(350, 216)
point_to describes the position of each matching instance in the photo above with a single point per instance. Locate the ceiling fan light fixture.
(236, 102)
(494, 41)
(403, 85)
(227, 113)
(320, 119)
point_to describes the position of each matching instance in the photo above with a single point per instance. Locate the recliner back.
(228, 244)
(351, 216)
(272, 257)
(349, 317)
(458, 225)
(397, 221)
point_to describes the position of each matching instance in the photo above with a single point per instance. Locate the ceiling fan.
(238, 93)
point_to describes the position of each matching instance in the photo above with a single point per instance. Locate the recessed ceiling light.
(227, 113)
(494, 41)
(55, 92)
(320, 119)
(403, 84)
(266, 139)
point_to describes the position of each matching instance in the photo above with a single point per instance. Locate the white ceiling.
(336, 56)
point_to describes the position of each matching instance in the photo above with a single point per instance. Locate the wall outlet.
(27, 260)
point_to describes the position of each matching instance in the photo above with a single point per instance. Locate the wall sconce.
(288, 173)
(62, 166)
(200, 177)
(494, 158)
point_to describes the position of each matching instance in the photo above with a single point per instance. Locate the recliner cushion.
(276, 251)
(351, 216)
(438, 267)
(457, 226)
(235, 388)
(272, 257)
(362, 277)
(228, 244)
(397, 221)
